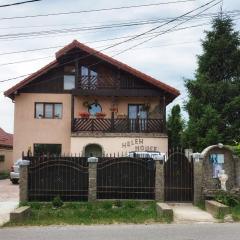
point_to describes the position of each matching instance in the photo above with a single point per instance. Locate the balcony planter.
(100, 115)
(84, 114)
(114, 109)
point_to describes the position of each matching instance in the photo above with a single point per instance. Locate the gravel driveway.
(9, 198)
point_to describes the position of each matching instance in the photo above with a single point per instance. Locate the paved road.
(212, 231)
(9, 195)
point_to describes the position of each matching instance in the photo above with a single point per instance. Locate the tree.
(175, 126)
(214, 102)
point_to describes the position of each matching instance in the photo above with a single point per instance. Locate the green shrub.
(107, 205)
(57, 202)
(118, 203)
(130, 204)
(4, 175)
(227, 199)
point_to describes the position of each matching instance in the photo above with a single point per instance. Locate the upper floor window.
(69, 78)
(48, 110)
(88, 78)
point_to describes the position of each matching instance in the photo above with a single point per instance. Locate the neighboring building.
(6, 151)
(127, 108)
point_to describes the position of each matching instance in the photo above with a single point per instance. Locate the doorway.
(93, 150)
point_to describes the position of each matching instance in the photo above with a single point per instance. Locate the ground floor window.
(2, 158)
(47, 149)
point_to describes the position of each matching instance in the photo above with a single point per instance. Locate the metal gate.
(125, 178)
(62, 176)
(178, 173)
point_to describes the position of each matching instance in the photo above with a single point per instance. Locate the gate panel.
(178, 171)
(66, 177)
(125, 178)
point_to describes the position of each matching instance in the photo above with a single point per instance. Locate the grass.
(201, 205)
(236, 213)
(4, 175)
(102, 212)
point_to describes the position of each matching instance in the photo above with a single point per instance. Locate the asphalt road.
(230, 231)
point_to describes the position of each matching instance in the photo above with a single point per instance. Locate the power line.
(102, 40)
(89, 28)
(133, 38)
(97, 10)
(202, 6)
(18, 3)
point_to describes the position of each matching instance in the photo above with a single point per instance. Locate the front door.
(137, 117)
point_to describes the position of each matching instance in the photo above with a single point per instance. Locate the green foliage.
(213, 105)
(90, 213)
(4, 175)
(107, 205)
(175, 125)
(236, 213)
(118, 203)
(57, 202)
(227, 198)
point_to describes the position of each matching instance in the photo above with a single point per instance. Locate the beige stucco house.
(88, 103)
(6, 151)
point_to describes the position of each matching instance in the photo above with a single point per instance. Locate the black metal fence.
(125, 178)
(66, 177)
(178, 177)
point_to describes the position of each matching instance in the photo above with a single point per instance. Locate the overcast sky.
(170, 57)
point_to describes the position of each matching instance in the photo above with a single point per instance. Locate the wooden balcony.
(118, 125)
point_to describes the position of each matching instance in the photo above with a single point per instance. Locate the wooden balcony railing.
(118, 125)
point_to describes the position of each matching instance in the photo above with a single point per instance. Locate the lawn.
(101, 212)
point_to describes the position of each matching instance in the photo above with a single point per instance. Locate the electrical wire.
(18, 3)
(139, 35)
(97, 10)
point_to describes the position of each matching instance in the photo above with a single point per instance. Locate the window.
(48, 110)
(2, 158)
(94, 108)
(88, 78)
(47, 149)
(69, 82)
(69, 78)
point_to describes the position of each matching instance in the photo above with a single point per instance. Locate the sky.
(171, 57)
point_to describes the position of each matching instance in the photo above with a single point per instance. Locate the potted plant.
(114, 109)
(84, 114)
(100, 115)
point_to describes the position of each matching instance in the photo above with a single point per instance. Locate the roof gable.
(75, 44)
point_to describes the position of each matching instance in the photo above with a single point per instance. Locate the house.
(6, 151)
(86, 102)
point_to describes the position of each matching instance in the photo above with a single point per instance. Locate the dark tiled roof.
(91, 51)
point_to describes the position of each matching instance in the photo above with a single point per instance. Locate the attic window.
(69, 78)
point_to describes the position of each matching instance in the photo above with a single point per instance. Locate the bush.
(130, 204)
(4, 175)
(107, 205)
(227, 199)
(57, 202)
(118, 203)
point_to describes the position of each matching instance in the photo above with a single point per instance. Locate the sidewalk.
(9, 199)
(187, 213)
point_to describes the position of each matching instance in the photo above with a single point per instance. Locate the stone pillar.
(92, 178)
(23, 181)
(197, 178)
(159, 181)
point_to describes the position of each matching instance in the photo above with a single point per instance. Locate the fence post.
(159, 180)
(23, 181)
(92, 178)
(197, 178)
